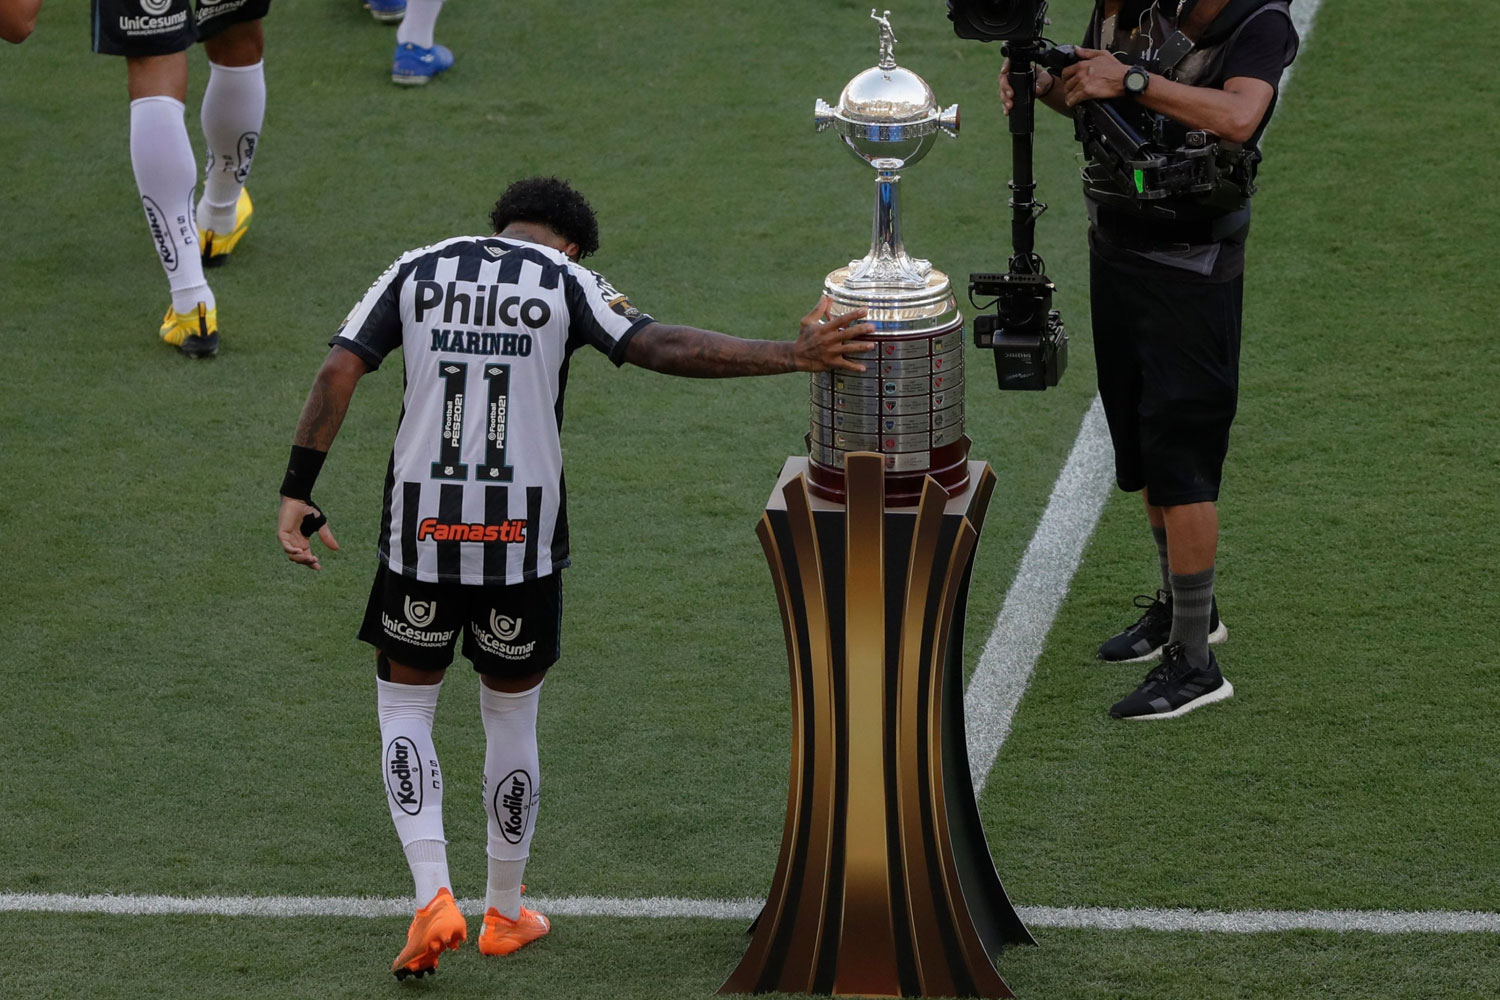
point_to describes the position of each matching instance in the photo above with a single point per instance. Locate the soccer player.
(474, 532)
(153, 36)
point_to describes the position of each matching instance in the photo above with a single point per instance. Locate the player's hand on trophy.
(825, 343)
(295, 525)
(1097, 74)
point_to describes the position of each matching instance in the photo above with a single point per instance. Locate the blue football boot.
(388, 11)
(414, 65)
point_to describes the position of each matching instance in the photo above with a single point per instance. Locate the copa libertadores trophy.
(909, 404)
(884, 885)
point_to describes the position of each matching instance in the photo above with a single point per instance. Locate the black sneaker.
(1174, 688)
(1142, 642)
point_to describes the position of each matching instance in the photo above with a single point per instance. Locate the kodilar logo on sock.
(165, 247)
(513, 801)
(403, 775)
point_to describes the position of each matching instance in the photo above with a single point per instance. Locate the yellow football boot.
(214, 245)
(195, 333)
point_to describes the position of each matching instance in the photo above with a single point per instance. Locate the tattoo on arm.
(328, 401)
(686, 350)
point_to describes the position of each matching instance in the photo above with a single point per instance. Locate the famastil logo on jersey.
(515, 795)
(511, 532)
(499, 639)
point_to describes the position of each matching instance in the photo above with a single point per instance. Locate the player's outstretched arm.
(821, 344)
(322, 415)
(17, 18)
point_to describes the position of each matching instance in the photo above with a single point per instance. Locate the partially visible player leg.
(166, 171)
(407, 701)
(512, 791)
(418, 58)
(234, 106)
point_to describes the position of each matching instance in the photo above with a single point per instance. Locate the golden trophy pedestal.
(884, 885)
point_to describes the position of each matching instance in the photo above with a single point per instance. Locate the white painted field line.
(1014, 644)
(1082, 917)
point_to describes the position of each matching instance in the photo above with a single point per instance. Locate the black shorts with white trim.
(508, 631)
(161, 27)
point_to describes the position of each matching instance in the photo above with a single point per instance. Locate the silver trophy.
(908, 405)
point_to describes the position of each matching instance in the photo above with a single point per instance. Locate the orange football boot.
(502, 935)
(436, 926)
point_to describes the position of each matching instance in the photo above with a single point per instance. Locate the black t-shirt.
(1259, 52)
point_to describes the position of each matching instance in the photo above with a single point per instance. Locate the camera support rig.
(1027, 335)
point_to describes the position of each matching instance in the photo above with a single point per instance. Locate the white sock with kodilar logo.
(413, 781)
(512, 789)
(165, 173)
(234, 106)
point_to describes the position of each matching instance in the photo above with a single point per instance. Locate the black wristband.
(301, 472)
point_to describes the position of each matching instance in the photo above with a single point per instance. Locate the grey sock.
(1159, 532)
(1192, 604)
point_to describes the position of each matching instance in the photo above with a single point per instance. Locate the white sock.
(503, 890)
(421, 18)
(165, 173)
(512, 786)
(234, 105)
(413, 781)
(428, 861)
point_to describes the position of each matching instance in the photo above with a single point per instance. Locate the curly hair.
(553, 203)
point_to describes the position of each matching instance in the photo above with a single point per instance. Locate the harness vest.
(1194, 54)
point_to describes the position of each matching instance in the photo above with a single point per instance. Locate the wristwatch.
(1136, 81)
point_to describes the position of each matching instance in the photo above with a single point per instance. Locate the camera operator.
(1166, 282)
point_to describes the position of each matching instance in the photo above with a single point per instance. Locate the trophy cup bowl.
(908, 404)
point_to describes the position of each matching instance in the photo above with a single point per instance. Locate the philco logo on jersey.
(479, 305)
(403, 775)
(514, 797)
(511, 532)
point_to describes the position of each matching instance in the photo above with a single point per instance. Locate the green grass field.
(185, 713)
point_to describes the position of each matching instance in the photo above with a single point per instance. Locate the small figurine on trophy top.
(887, 40)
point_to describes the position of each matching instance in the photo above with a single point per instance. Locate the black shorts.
(508, 631)
(1168, 354)
(161, 27)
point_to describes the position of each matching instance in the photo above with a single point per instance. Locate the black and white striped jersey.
(475, 490)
